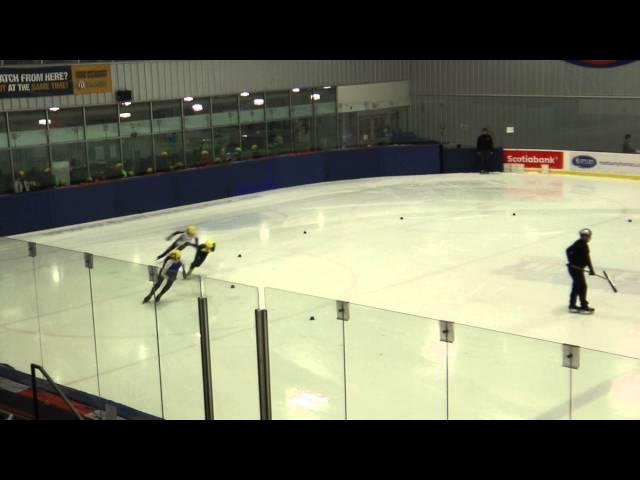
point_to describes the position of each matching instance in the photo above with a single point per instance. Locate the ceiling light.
(126, 104)
(295, 90)
(43, 121)
(326, 88)
(245, 94)
(196, 107)
(54, 109)
(125, 115)
(245, 136)
(315, 96)
(258, 101)
(188, 99)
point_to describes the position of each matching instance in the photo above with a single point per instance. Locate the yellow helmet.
(191, 229)
(176, 254)
(210, 245)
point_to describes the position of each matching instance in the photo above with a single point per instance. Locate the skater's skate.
(583, 309)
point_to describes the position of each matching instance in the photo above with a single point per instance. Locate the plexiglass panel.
(396, 366)
(66, 318)
(19, 325)
(495, 375)
(306, 354)
(232, 336)
(180, 358)
(126, 335)
(605, 387)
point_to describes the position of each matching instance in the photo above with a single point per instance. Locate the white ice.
(458, 255)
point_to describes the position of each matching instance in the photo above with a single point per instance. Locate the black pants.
(579, 287)
(173, 246)
(483, 159)
(171, 277)
(197, 261)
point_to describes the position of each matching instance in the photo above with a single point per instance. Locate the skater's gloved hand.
(591, 272)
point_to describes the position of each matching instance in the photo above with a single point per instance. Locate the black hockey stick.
(605, 277)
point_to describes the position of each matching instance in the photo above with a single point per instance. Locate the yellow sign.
(91, 79)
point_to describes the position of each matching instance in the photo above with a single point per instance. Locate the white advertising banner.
(627, 164)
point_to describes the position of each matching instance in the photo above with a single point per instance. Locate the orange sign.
(91, 78)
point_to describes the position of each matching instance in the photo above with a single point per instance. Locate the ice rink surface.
(479, 250)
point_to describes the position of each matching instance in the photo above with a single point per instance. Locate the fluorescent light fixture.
(126, 104)
(326, 88)
(188, 99)
(315, 96)
(54, 109)
(245, 136)
(258, 101)
(43, 121)
(125, 115)
(245, 94)
(196, 107)
(295, 90)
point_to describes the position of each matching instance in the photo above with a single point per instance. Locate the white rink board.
(603, 163)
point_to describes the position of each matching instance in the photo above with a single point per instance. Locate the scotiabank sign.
(534, 158)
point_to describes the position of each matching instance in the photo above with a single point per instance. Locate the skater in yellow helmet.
(169, 270)
(203, 250)
(186, 237)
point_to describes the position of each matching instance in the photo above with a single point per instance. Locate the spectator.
(22, 184)
(484, 149)
(47, 178)
(163, 162)
(276, 144)
(627, 147)
(204, 157)
(5, 182)
(386, 133)
(41, 178)
(116, 171)
(78, 172)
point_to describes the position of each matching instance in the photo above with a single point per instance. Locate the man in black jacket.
(484, 149)
(578, 257)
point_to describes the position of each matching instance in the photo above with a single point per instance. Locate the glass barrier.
(90, 329)
(232, 334)
(494, 375)
(306, 355)
(19, 325)
(66, 318)
(605, 387)
(395, 364)
(67, 146)
(126, 335)
(179, 340)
